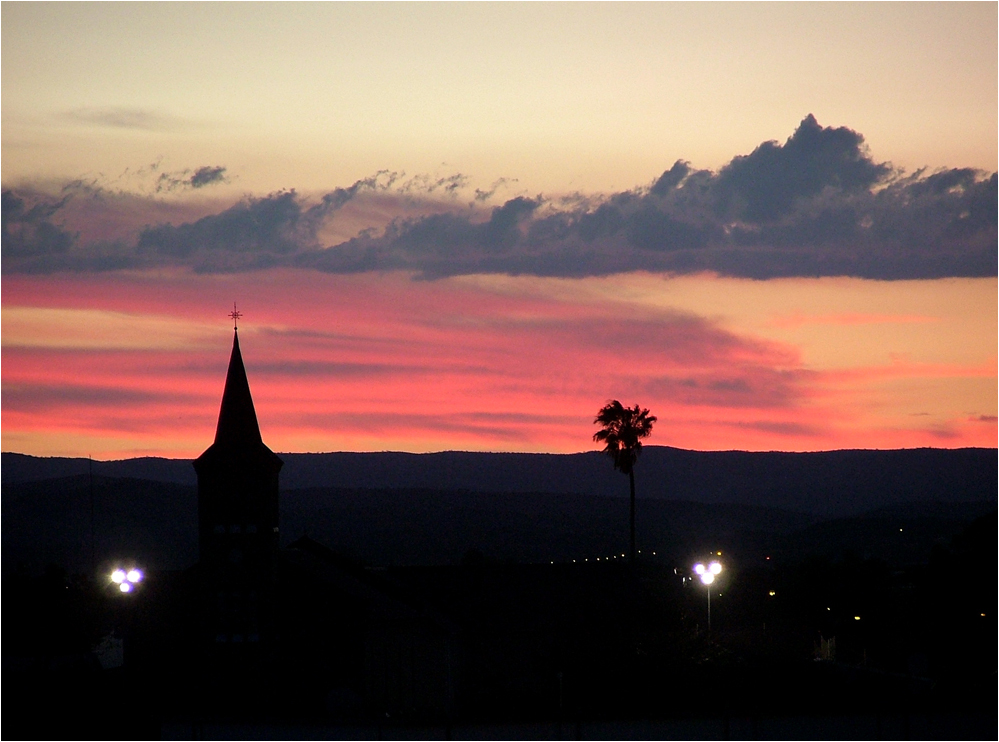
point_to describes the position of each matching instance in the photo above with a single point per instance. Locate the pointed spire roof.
(237, 418)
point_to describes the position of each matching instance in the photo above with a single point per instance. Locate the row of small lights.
(597, 559)
(708, 573)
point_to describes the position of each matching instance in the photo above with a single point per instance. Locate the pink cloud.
(370, 362)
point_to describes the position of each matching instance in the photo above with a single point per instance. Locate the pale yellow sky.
(561, 97)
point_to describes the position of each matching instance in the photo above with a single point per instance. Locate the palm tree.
(622, 430)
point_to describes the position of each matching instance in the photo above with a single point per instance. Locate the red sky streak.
(380, 361)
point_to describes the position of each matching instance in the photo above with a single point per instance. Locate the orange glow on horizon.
(120, 365)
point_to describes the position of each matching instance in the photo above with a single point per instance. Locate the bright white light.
(125, 587)
(699, 568)
(134, 575)
(715, 568)
(118, 576)
(707, 578)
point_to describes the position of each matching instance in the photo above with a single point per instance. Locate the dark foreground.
(851, 648)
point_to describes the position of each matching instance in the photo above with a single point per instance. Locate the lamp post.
(123, 582)
(707, 575)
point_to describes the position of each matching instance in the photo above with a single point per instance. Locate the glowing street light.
(707, 575)
(127, 580)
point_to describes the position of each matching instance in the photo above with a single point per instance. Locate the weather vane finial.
(235, 314)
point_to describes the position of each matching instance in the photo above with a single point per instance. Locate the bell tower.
(237, 520)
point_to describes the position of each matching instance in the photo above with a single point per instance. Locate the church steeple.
(237, 419)
(237, 519)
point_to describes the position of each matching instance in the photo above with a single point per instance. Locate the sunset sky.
(468, 226)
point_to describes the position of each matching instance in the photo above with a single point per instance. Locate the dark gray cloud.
(28, 229)
(259, 229)
(183, 179)
(816, 205)
(449, 184)
(207, 176)
(278, 229)
(436, 245)
(254, 233)
(485, 195)
(671, 179)
(767, 184)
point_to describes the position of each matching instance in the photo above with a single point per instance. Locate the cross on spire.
(235, 314)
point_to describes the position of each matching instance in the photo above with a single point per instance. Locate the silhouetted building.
(337, 635)
(237, 521)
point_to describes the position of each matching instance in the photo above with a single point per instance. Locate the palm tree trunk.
(631, 479)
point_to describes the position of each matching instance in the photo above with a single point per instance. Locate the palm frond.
(622, 429)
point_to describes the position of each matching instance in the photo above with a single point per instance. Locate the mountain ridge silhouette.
(827, 484)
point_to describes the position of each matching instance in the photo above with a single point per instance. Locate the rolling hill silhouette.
(410, 509)
(827, 484)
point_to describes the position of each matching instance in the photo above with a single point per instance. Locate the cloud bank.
(816, 205)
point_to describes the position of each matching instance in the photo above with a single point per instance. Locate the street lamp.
(127, 579)
(707, 575)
